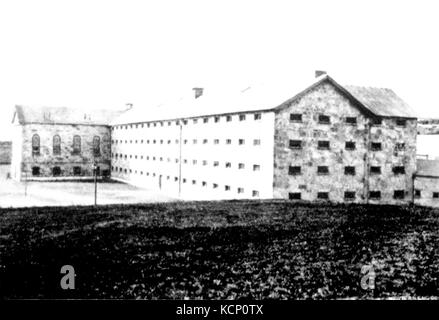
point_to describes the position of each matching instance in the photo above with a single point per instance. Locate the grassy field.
(212, 250)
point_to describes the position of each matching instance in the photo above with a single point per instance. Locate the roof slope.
(63, 115)
(381, 101)
(374, 101)
(427, 168)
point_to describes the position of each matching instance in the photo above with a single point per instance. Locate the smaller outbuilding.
(427, 183)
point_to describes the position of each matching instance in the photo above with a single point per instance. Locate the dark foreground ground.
(214, 250)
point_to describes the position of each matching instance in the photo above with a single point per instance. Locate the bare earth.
(12, 193)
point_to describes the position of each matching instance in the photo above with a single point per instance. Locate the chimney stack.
(319, 73)
(198, 92)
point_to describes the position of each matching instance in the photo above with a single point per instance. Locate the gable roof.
(372, 101)
(382, 101)
(63, 115)
(429, 168)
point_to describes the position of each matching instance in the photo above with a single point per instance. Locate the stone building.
(322, 142)
(60, 143)
(5, 152)
(427, 183)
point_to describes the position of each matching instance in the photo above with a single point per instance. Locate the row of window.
(349, 145)
(240, 190)
(325, 119)
(56, 171)
(216, 119)
(56, 145)
(256, 142)
(434, 195)
(349, 195)
(348, 170)
(256, 167)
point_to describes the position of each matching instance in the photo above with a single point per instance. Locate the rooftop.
(64, 115)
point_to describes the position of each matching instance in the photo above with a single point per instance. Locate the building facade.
(327, 142)
(427, 183)
(60, 143)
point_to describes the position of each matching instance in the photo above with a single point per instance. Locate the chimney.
(129, 106)
(198, 92)
(319, 73)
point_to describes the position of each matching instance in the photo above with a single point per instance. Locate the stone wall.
(327, 100)
(66, 160)
(427, 191)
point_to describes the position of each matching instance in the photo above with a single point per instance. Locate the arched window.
(76, 144)
(96, 146)
(35, 144)
(56, 145)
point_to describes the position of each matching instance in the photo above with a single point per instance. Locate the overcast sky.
(103, 54)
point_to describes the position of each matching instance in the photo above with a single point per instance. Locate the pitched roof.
(382, 101)
(428, 168)
(63, 115)
(373, 101)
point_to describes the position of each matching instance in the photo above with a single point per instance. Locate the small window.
(194, 181)
(204, 141)
(435, 195)
(35, 171)
(241, 141)
(398, 170)
(241, 166)
(216, 163)
(375, 146)
(349, 171)
(377, 121)
(323, 145)
(294, 196)
(56, 171)
(294, 170)
(204, 183)
(255, 193)
(256, 167)
(195, 121)
(398, 194)
(400, 146)
(257, 116)
(216, 141)
(296, 144)
(322, 170)
(323, 195)
(349, 195)
(324, 119)
(228, 165)
(417, 193)
(194, 141)
(229, 141)
(240, 190)
(241, 117)
(349, 145)
(217, 119)
(256, 142)
(295, 117)
(227, 188)
(375, 170)
(194, 161)
(215, 185)
(351, 120)
(205, 120)
(229, 118)
(204, 162)
(401, 122)
(375, 194)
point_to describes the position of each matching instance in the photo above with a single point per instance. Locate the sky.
(104, 54)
